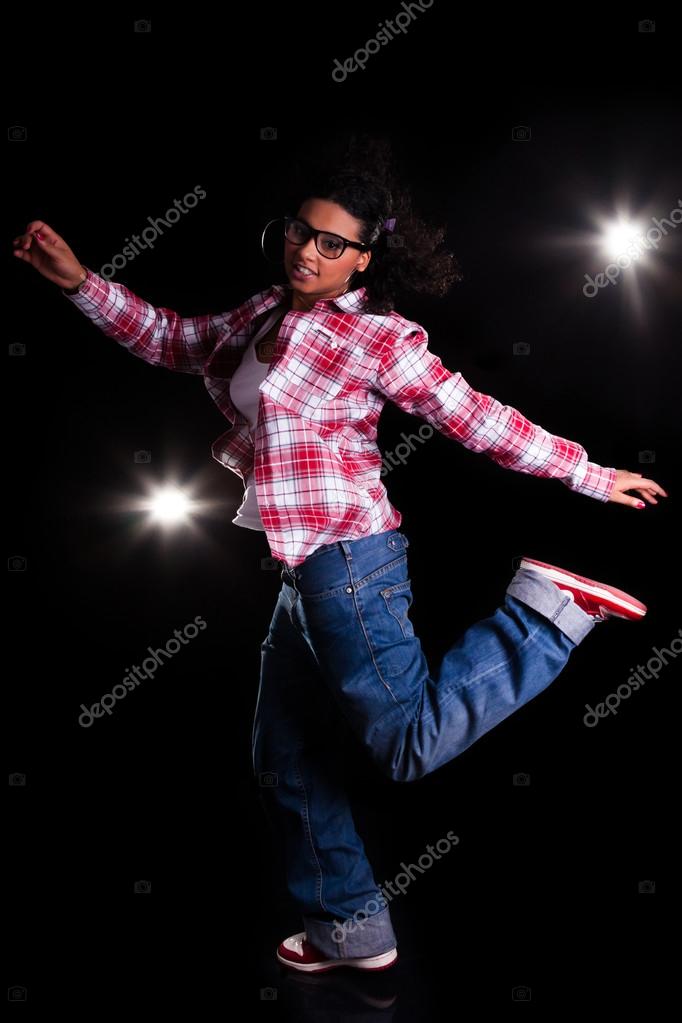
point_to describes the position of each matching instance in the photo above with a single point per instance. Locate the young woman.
(302, 371)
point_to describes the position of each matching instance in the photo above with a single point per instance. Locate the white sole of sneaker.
(612, 596)
(380, 962)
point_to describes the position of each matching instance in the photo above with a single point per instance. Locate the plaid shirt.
(314, 452)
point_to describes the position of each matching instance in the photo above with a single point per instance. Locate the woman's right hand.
(45, 250)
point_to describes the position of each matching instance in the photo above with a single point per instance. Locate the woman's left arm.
(416, 381)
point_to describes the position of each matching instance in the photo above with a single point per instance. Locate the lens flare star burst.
(170, 506)
(619, 238)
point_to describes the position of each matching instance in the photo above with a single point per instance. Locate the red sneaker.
(599, 600)
(298, 953)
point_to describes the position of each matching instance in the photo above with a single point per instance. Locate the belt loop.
(345, 547)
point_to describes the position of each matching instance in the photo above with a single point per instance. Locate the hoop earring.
(278, 262)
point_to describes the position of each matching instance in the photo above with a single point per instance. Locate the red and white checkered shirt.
(316, 463)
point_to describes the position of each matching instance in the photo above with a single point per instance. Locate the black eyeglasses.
(329, 245)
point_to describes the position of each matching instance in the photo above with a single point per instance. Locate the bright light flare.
(620, 239)
(169, 506)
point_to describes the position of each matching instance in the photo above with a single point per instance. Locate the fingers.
(43, 242)
(25, 257)
(46, 232)
(647, 493)
(647, 487)
(26, 237)
(26, 246)
(23, 241)
(627, 480)
(37, 231)
(633, 502)
(652, 486)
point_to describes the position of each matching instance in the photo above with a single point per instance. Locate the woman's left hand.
(626, 480)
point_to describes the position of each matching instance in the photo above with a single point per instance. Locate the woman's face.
(329, 277)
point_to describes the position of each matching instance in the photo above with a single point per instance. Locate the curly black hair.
(360, 177)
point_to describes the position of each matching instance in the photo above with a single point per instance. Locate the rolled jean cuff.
(544, 596)
(348, 939)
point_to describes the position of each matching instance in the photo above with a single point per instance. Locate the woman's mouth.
(300, 273)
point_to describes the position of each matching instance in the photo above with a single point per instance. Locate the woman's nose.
(308, 250)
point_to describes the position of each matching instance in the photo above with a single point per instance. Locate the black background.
(543, 889)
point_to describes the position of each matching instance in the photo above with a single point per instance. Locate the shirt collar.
(351, 301)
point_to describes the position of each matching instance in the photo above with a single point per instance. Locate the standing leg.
(299, 768)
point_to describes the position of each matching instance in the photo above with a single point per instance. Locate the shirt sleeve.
(415, 380)
(157, 335)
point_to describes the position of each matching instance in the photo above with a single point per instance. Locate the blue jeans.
(341, 643)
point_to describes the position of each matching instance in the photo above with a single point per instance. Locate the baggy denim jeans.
(341, 643)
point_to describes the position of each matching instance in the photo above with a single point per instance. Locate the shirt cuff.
(92, 287)
(597, 482)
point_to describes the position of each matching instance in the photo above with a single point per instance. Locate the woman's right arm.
(157, 335)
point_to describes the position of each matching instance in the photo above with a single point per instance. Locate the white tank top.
(245, 397)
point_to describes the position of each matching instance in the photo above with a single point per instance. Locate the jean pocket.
(398, 601)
